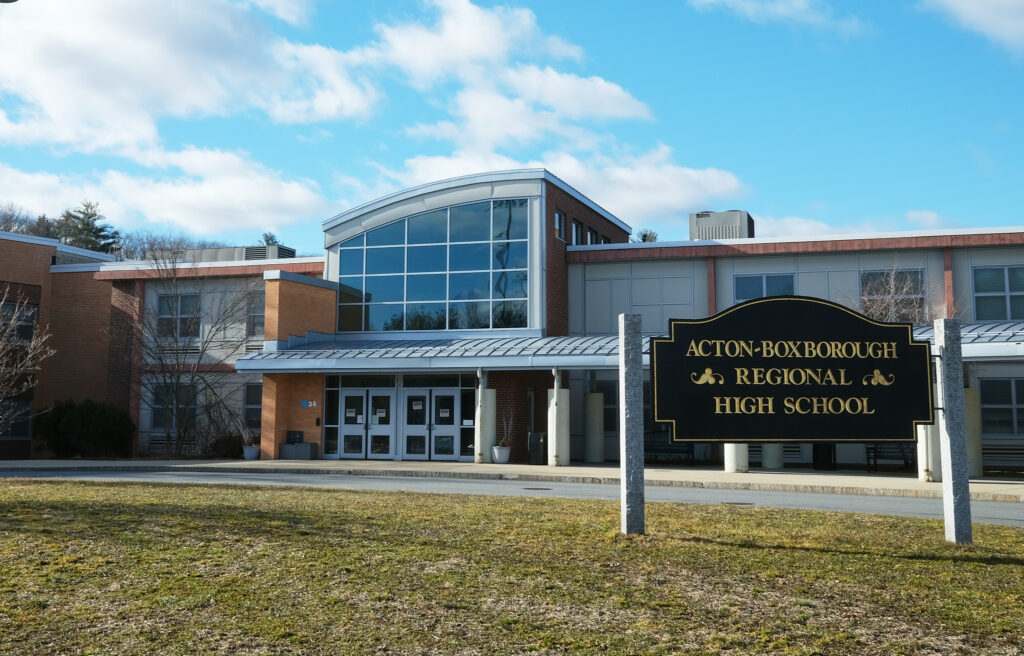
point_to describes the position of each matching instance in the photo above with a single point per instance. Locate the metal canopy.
(981, 341)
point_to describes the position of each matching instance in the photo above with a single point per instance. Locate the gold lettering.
(741, 376)
(722, 406)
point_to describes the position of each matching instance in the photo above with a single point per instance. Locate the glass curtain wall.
(463, 267)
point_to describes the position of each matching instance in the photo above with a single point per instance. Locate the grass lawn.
(128, 568)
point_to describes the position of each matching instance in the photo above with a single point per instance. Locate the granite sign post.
(631, 425)
(956, 496)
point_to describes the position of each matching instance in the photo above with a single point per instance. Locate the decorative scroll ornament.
(709, 377)
(876, 378)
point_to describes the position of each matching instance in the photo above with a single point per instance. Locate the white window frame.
(177, 317)
(764, 284)
(1007, 294)
(156, 408)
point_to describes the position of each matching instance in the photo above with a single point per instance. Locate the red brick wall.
(80, 327)
(282, 410)
(557, 271)
(512, 401)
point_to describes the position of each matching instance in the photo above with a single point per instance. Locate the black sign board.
(791, 368)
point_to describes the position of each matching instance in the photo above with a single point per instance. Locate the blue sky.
(229, 118)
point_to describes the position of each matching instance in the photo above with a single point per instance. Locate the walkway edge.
(550, 478)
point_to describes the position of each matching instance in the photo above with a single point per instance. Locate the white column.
(558, 423)
(956, 495)
(631, 425)
(929, 453)
(736, 458)
(594, 427)
(484, 421)
(772, 458)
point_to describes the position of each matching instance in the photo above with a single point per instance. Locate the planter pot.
(500, 454)
(251, 452)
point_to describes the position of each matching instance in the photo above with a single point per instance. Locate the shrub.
(87, 429)
(225, 446)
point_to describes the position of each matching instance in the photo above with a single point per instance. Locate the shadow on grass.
(948, 558)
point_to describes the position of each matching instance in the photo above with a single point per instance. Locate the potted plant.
(251, 446)
(500, 451)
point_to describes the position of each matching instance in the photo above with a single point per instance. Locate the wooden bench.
(905, 451)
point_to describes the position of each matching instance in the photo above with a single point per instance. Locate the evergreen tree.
(82, 227)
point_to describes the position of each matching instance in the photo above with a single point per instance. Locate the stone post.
(631, 424)
(956, 495)
(484, 420)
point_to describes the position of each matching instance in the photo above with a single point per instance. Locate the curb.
(544, 478)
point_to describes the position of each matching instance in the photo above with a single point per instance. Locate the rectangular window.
(25, 315)
(591, 236)
(998, 293)
(893, 295)
(178, 315)
(560, 225)
(257, 305)
(605, 240)
(577, 233)
(172, 410)
(1002, 405)
(253, 406)
(762, 285)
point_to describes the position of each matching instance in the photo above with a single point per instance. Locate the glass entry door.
(367, 424)
(431, 424)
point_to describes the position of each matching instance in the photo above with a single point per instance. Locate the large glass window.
(893, 295)
(20, 426)
(998, 293)
(461, 267)
(255, 320)
(760, 286)
(172, 410)
(26, 318)
(253, 406)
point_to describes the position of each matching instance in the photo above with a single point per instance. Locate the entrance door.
(367, 424)
(431, 424)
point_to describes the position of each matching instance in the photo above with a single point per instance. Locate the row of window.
(574, 232)
(180, 315)
(25, 326)
(171, 409)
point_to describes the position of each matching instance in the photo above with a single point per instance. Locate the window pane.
(252, 418)
(429, 228)
(1017, 306)
(778, 285)
(165, 327)
(350, 318)
(910, 282)
(510, 284)
(389, 235)
(468, 285)
(425, 316)
(996, 420)
(350, 243)
(331, 402)
(426, 258)
(1016, 276)
(189, 305)
(385, 288)
(384, 317)
(255, 326)
(510, 314)
(426, 288)
(471, 222)
(995, 392)
(385, 260)
(989, 280)
(350, 290)
(254, 394)
(167, 304)
(350, 263)
(189, 327)
(469, 315)
(332, 381)
(510, 219)
(469, 257)
(510, 255)
(990, 308)
(748, 287)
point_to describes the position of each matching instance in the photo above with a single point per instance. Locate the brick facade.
(513, 402)
(556, 267)
(293, 308)
(283, 411)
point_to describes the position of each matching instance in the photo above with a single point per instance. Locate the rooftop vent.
(732, 224)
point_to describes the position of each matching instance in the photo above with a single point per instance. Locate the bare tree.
(193, 328)
(141, 244)
(644, 236)
(22, 348)
(897, 295)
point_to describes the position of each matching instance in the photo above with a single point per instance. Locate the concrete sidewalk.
(790, 480)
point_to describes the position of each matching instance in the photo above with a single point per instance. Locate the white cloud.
(924, 218)
(290, 11)
(814, 13)
(1001, 21)
(201, 191)
(100, 74)
(573, 96)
